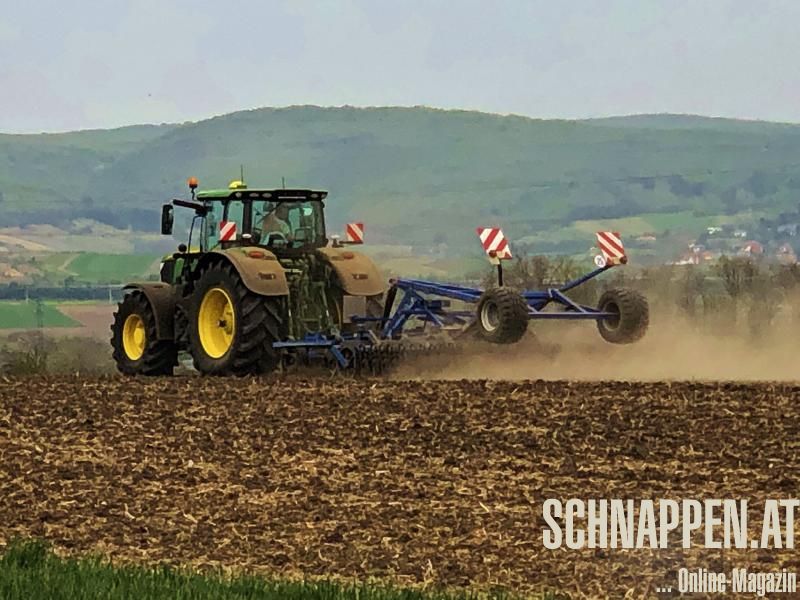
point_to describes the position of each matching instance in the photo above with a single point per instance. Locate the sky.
(78, 64)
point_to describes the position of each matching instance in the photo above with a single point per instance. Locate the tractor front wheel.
(502, 316)
(630, 316)
(231, 329)
(137, 349)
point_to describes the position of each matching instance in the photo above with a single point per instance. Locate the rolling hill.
(421, 176)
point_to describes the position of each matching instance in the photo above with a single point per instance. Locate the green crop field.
(22, 315)
(54, 261)
(96, 268)
(30, 571)
(110, 268)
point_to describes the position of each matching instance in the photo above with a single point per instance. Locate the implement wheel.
(137, 349)
(231, 329)
(502, 316)
(631, 316)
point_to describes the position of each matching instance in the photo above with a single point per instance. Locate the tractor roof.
(274, 195)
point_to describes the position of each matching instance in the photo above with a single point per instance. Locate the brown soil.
(95, 318)
(411, 482)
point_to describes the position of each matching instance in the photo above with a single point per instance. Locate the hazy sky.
(74, 64)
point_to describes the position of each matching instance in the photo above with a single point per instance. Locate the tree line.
(16, 292)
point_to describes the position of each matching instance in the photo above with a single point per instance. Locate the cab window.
(211, 229)
(221, 212)
(288, 224)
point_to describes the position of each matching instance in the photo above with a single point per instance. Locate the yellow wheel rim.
(134, 337)
(216, 323)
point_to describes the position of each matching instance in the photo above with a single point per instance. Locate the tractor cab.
(288, 223)
(279, 220)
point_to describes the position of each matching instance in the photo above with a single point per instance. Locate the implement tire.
(502, 316)
(231, 329)
(632, 316)
(137, 349)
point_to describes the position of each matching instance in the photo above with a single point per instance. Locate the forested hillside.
(421, 176)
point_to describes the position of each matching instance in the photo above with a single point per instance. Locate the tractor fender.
(259, 269)
(161, 297)
(357, 273)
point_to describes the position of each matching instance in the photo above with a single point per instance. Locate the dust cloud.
(671, 350)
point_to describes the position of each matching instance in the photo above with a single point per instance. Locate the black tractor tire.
(502, 316)
(632, 316)
(158, 357)
(181, 328)
(258, 322)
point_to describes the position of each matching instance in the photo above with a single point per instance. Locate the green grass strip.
(29, 570)
(21, 315)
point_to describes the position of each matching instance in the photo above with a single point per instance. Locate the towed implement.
(260, 285)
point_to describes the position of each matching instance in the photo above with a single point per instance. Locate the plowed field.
(411, 482)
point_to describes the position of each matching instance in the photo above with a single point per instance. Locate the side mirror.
(167, 219)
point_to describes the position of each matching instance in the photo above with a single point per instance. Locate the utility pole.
(39, 315)
(39, 349)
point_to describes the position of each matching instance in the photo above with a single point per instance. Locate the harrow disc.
(382, 358)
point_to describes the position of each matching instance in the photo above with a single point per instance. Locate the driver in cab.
(277, 221)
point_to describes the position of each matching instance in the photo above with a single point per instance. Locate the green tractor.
(258, 270)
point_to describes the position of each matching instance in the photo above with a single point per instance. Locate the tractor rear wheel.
(231, 329)
(137, 349)
(502, 316)
(631, 316)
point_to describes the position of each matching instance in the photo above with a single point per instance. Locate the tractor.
(260, 285)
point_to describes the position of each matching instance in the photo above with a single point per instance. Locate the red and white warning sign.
(494, 242)
(355, 233)
(227, 231)
(611, 246)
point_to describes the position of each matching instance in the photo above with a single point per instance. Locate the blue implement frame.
(416, 304)
(428, 303)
